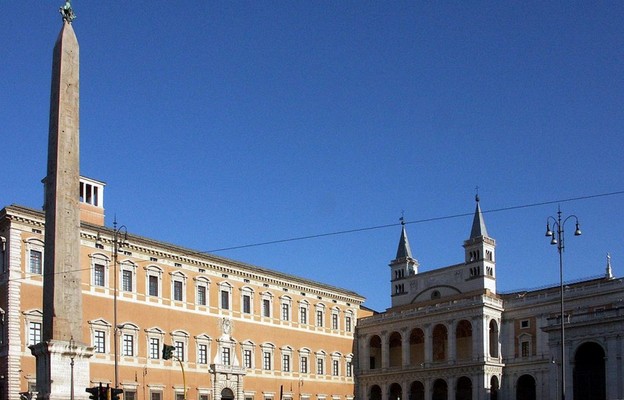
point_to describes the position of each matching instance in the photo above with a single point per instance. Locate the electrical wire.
(370, 228)
(420, 221)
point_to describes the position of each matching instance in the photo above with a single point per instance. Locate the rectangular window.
(285, 312)
(266, 308)
(99, 338)
(179, 349)
(225, 355)
(266, 361)
(524, 324)
(286, 362)
(154, 348)
(129, 394)
(128, 345)
(180, 396)
(126, 281)
(349, 369)
(153, 285)
(246, 304)
(225, 300)
(35, 262)
(319, 366)
(304, 365)
(525, 349)
(155, 395)
(201, 295)
(348, 324)
(335, 367)
(202, 356)
(247, 358)
(34, 333)
(335, 321)
(319, 318)
(177, 290)
(98, 275)
(303, 315)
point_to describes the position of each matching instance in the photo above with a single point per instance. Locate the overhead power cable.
(419, 221)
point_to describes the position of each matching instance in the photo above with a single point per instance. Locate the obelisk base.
(62, 370)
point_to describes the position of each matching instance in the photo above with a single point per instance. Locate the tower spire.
(478, 223)
(609, 271)
(403, 250)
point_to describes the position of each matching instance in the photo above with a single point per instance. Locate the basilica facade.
(450, 335)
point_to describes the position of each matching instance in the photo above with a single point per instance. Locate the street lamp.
(72, 355)
(120, 240)
(558, 239)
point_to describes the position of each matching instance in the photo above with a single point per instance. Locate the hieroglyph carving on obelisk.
(62, 356)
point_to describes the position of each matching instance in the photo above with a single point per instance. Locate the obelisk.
(62, 356)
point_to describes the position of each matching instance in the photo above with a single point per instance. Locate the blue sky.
(223, 124)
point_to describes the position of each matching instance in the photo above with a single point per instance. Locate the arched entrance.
(395, 392)
(525, 388)
(494, 388)
(375, 393)
(589, 372)
(464, 389)
(440, 390)
(417, 391)
(227, 394)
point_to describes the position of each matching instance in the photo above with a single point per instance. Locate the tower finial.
(67, 12)
(402, 219)
(609, 272)
(477, 194)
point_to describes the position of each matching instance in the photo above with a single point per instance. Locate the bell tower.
(480, 255)
(403, 265)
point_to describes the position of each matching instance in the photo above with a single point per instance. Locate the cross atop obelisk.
(62, 337)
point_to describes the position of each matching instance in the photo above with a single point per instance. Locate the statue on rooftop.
(67, 12)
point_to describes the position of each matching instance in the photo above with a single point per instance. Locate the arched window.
(439, 342)
(395, 349)
(375, 352)
(417, 346)
(493, 338)
(463, 334)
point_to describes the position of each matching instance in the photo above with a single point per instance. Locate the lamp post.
(72, 355)
(118, 233)
(558, 239)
